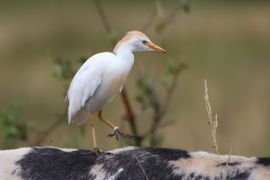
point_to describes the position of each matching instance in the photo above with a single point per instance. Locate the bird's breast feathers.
(116, 84)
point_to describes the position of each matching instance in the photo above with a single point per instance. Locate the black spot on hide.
(264, 161)
(153, 161)
(239, 174)
(55, 164)
(228, 164)
(168, 154)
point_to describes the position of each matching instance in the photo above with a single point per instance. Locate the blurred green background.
(227, 42)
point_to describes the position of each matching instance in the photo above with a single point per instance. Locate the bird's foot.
(97, 151)
(118, 133)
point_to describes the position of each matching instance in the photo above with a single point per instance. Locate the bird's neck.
(126, 58)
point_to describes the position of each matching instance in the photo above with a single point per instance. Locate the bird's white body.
(94, 84)
(103, 75)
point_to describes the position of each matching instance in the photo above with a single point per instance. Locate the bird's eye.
(144, 41)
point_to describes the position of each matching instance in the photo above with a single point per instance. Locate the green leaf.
(113, 35)
(186, 5)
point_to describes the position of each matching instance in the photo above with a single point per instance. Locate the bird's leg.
(93, 131)
(100, 117)
(115, 128)
(117, 133)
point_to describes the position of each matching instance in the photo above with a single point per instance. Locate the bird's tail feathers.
(79, 117)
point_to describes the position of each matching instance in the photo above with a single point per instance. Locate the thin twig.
(103, 16)
(229, 158)
(160, 10)
(164, 22)
(170, 91)
(227, 165)
(149, 21)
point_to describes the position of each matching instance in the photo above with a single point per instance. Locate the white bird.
(100, 78)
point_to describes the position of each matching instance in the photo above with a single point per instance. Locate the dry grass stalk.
(229, 158)
(144, 173)
(214, 124)
(213, 121)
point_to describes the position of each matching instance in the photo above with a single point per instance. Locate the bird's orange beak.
(155, 47)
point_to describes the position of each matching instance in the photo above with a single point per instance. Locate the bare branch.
(150, 21)
(103, 17)
(164, 22)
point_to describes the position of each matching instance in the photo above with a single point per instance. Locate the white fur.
(98, 171)
(116, 174)
(8, 167)
(119, 150)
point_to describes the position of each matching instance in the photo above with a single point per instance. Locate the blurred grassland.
(227, 43)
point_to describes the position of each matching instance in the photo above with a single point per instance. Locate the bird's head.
(137, 41)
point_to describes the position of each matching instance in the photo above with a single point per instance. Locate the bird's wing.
(86, 82)
(83, 86)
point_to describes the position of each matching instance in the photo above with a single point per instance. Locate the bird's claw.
(97, 151)
(118, 133)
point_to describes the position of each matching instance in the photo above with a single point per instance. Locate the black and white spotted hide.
(131, 163)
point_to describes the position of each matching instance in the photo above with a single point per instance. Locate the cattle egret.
(101, 77)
